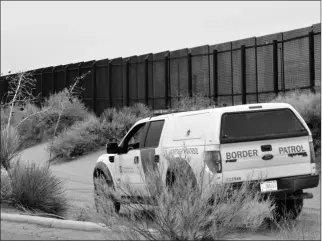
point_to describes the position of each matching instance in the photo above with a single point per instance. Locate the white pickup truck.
(245, 142)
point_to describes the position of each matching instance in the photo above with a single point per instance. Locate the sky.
(40, 34)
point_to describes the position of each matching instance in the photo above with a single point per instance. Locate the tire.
(288, 209)
(171, 179)
(106, 185)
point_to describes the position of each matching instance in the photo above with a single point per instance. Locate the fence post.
(190, 74)
(275, 66)
(215, 73)
(166, 78)
(256, 70)
(79, 69)
(283, 64)
(79, 75)
(53, 80)
(94, 86)
(109, 81)
(66, 75)
(146, 78)
(243, 73)
(311, 61)
(127, 82)
(232, 73)
(4, 96)
(41, 84)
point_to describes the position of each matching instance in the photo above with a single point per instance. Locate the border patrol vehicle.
(234, 144)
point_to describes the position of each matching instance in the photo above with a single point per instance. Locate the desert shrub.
(116, 123)
(4, 115)
(68, 104)
(16, 115)
(65, 108)
(183, 210)
(58, 112)
(35, 188)
(197, 102)
(79, 139)
(306, 227)
(35, 124)
(93, 133)
(126, 115)
(30, 128)
(10, 145)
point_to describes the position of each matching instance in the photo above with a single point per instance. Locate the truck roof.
(222, 110)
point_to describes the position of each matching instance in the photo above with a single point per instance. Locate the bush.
(30, 129)
(81, 138)
(58, 112)
(306, 227)
(197, 102)
(35, 188)
(69, 108)
(10, 145)
(184, 210)
(4, 115)
(93, 133)
(116, 123)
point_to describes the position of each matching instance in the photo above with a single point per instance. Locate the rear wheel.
(288, 209)
(103, 190)
(177, 181)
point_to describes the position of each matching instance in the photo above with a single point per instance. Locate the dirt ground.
(25, 231)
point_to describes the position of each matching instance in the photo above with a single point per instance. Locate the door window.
(154, 134)
(133, 139)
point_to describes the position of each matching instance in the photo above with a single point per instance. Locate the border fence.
(251, 70)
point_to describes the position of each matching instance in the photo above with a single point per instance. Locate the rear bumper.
(291, 187)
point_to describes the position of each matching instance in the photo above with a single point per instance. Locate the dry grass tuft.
(306, 227)
(183, 210)
(10, 145)
(35, 188)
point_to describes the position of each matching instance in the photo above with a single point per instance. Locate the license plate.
(268, 186)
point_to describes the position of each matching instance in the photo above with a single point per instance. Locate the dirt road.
(25, 231)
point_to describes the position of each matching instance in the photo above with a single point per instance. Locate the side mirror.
(112, 148)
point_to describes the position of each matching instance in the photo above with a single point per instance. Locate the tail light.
(213, 161)
(312, 153)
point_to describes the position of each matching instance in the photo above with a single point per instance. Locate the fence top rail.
(167, 54)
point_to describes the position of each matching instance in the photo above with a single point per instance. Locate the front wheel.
(288, 209)
(103, 195)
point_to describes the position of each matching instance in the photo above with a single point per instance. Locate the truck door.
(129, 163)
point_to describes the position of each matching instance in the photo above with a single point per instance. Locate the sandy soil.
(25, 231)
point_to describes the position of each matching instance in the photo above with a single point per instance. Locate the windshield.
(256, 125)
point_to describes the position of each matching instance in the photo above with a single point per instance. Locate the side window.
(133, 139)
(154, 134)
